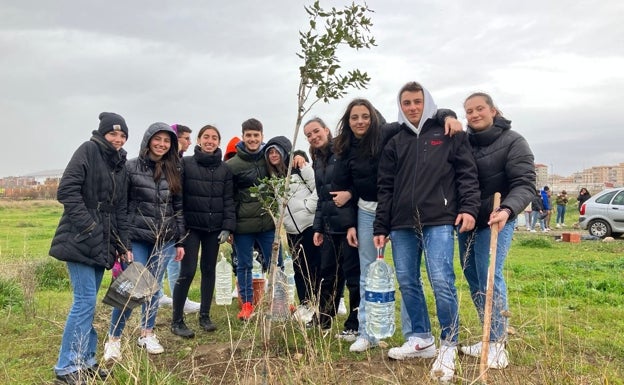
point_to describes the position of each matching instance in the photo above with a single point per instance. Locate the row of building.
(594, 179)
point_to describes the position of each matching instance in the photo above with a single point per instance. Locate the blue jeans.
(79, 342)
(561, 214)
(437, 244)
(151, 256)
(173, 272)
(244, 244)
(536, 215)
(474, 252)
(368, 255)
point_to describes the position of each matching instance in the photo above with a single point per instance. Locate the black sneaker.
(180, 329)
(97, 372)
(206, 324)
(75, 378)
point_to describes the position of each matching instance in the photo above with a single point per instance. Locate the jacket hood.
(429, 112)
(152, 130)
(283, 144)
(230, 150)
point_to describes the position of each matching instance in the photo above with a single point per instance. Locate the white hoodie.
(429, 112)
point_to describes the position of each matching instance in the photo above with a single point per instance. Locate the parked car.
(603, 214)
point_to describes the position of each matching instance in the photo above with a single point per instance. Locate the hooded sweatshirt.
(425, 178)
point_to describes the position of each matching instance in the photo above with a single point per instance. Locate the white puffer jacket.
(302, 201)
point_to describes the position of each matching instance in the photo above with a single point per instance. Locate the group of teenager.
(418, 182)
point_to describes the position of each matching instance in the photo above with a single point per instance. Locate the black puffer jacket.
(153, 211)
(357, 172)
(506, 165)
(93, 227)
(329, 218)
(208, 192)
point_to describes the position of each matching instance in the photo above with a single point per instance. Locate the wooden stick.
(489, 295)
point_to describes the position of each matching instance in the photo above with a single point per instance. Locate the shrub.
(52, 275)
(11, 294)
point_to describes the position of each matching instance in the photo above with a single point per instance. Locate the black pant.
(209, 249)
(340, 264)
(307, 260)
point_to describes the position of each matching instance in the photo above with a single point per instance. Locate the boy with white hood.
(427, 186)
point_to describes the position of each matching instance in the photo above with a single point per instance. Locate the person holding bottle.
(156, 226)
(506, 165)
(92, 232)
(298, 220)
(210, 216)
(427, 187)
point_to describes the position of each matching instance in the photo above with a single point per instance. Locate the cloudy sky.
(555, 68)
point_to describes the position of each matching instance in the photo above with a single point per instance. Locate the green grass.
(566, 302)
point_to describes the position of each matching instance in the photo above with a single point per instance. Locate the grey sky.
(554, 68)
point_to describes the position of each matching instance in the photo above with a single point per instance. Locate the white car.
(603, 214)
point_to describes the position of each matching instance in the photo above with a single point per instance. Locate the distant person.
(339, 261)
(210, 217)
(427, 185)
(298, 220)
(506, 165)
(173, 267)
(583, 196)
(156, 226)
(92, 231)
(537, 213)
(546, 207)
(562, 202)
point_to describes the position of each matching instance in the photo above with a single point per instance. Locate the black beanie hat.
(110, 121)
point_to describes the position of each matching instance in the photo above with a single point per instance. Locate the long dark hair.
(169, 165)
(370, 142)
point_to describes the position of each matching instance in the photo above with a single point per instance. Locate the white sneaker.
(472, 350)
(348, 335)
(361, 345)
(414, 347)
(443, 367)
(112, 350)
(303, 314)
(342, 309)
(498, 358)
(528, 229)
(191, 306)
(533, 231)
(150, 344)
(165, 301)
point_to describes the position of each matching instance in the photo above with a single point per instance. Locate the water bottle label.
(373, 296)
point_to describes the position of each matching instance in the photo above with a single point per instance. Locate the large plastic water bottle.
(223, 284)
(256, 268)
(280, 311)
(379, 297)
(289, 270)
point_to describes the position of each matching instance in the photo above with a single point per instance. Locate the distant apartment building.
(542, 178)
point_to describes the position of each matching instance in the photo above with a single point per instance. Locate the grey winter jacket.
(506, 165)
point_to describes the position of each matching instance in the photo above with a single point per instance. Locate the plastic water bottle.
(223, 282)
(379, 297)
(289, 270)
(280, 310)
(256, 269)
